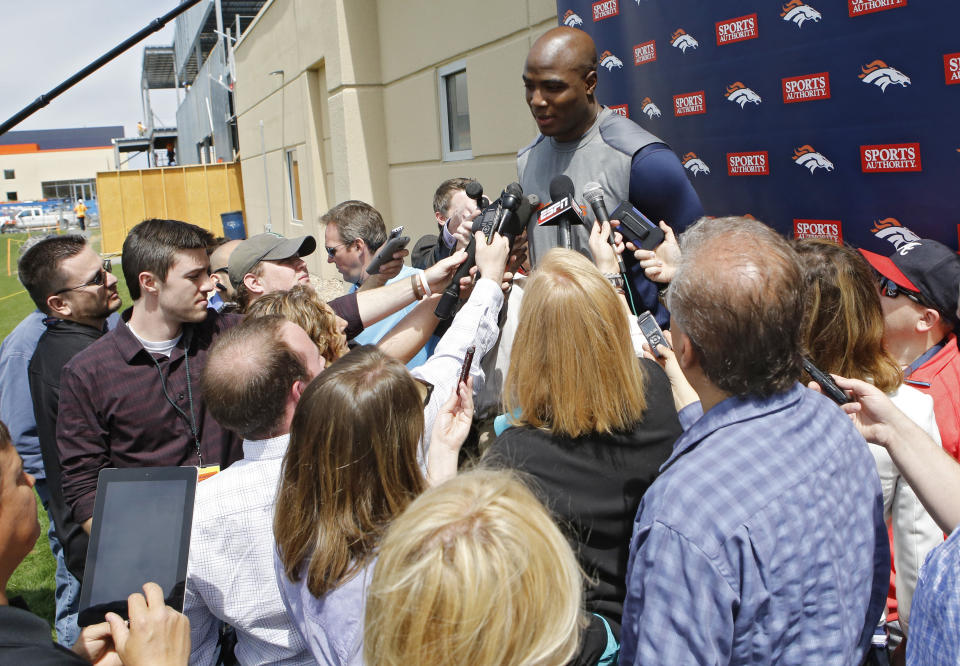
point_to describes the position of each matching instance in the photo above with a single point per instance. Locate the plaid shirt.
(762, 542)
(231, 560)
(935, 618)
(117, 409)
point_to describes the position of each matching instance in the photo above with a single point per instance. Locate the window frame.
(443, 73)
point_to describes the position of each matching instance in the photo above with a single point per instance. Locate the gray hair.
(737, 294)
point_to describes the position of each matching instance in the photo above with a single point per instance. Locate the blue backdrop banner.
(828, 118)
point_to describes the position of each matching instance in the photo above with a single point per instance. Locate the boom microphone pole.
(37, 104)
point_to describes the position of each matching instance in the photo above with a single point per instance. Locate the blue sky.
(47, 41)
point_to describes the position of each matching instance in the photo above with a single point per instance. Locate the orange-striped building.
(55, 163)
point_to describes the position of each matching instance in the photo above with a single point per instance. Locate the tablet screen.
(139, 538)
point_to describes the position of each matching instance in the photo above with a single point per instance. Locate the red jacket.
(940, 378)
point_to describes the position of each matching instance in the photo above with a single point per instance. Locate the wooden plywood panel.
(197, 197)
(111, 213)
(154, 197)
(174, 186)
(217, 177)
(195, 194)
(131, 199)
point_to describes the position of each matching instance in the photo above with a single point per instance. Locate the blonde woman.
(474, 572)
(590, 423)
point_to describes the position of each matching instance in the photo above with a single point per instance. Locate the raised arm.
(376, 304)
(929, 470)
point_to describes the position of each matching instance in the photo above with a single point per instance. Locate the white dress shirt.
(230, 574)
(475, 324)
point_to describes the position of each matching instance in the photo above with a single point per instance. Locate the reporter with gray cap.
(267, 263)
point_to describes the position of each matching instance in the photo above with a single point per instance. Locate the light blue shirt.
(16, 407)
(935, 617)
(331, 626)
(371, 334)
(762, 541)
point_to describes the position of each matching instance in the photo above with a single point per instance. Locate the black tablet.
(141, 533)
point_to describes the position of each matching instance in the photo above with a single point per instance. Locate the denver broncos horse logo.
(610, 61)
(694, 164)
(890, 229)
(880, 74)
(740, 94)
(797, 12)
(683, 41)
(807, 157)
(572, 19)
(649, 108)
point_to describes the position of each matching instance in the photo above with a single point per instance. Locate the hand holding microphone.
(593, 193)
(606, 256)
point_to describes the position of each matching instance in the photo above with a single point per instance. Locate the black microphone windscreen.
(473, 189)
(560, 187)
(518, 222)
(514, 189)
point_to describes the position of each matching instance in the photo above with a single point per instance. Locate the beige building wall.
(32, 169)
(351, 87)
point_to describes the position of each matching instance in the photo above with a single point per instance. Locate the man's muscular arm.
(661, 190)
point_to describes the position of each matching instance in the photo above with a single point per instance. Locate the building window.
(9, 174)
(293, 178)
(82, 188)
(12, 196)
(454, 111)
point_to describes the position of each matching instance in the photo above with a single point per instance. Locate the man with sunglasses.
(224, 297)
(918, 293)
(75, 290)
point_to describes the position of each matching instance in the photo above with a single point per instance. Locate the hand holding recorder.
(658, 263)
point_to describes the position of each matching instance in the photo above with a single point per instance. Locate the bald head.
(560, 77)
(565, 47)
(249, 377)
(737, 295)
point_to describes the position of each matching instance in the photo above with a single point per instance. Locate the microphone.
(593, 193)
(515, 225)
(564, 210)
(510, 200)
(474, 190)
(451, 295)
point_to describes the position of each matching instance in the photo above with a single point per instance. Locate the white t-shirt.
(164, 347)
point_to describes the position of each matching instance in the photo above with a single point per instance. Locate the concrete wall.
(358, 101)
(32, 169)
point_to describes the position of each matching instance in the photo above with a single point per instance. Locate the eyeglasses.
(332, 251)
(98, 280)
(891, 289)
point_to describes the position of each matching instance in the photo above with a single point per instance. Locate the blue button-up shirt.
(762, 542)
(371, 334)
(16, 407)
(935, 618)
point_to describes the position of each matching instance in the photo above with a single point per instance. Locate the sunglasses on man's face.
(97, 280)
(891, 289)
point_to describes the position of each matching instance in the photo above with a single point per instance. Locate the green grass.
(34, 578)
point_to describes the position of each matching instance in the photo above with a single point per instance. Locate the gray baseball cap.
(266, 247)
